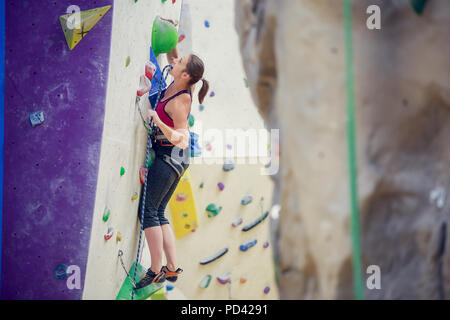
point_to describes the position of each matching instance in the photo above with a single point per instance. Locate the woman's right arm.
(174, 53)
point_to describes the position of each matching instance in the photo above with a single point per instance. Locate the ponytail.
(203, 91)
(195, 69)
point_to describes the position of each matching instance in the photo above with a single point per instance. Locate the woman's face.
(179, 65)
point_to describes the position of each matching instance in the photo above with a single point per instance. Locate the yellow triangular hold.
(87, 21)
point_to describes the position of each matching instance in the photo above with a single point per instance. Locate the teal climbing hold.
(418, 5)
(60, 272)
(201, 185)
(213, 210)
(191, 120)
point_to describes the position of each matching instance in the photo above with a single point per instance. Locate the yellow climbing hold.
(183, 224)
(135, 196)
(76, 29)
(118, 236)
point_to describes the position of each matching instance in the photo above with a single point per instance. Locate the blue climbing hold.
(246, 199)
(248, 245)
(169, 287)
(60, 272)
(228, 165)
(201, 107)
(207, 23)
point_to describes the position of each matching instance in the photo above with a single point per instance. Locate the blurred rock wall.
(294, 55)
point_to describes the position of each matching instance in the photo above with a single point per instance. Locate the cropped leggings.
(161, 183)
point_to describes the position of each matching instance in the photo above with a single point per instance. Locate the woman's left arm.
(179, 135)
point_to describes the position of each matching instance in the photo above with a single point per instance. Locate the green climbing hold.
(106, 213)
(122, 171)
(140, 294)
(151, 158)
(206, 280)
(201, 185)
(164, 36)
(246, 82)
(418, 5)
(191, 120)
(213, 210)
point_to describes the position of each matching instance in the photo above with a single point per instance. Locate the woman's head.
(190, 69)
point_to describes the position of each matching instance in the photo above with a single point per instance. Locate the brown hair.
(195, 69)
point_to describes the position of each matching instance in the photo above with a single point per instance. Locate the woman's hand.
(152, 115)
(170, 20)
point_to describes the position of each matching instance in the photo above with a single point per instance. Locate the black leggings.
(161, 183)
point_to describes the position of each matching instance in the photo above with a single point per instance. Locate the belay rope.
(356, 243)
(150, 132)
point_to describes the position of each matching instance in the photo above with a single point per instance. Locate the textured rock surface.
(294, 56)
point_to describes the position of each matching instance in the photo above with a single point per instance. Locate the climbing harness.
(356, 257)
(170, 161)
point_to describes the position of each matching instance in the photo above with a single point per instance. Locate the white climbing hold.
(437, 197)
(37, 118)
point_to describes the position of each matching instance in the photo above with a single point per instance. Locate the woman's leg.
(168, 236)
(160, 178)
(169, 246)
(154, 236)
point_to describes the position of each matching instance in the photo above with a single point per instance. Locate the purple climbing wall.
(50, 171)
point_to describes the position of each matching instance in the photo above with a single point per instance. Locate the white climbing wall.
(124, 142)
(123, 145)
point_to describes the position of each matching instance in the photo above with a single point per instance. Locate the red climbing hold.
(142, 173)
(144, 86)
(173, 1)
(150, 70)
(181, 38)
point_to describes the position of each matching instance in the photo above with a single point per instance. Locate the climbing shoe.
(151, 277)
(171, 276)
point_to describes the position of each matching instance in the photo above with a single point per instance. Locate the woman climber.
(172, 137)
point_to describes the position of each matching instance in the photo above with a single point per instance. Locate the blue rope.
(149, 146)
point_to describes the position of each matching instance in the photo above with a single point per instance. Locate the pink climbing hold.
(181, 38)
(208, 146)
(150, 70)
(144, 86)
(181, 196)
(221, 186)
